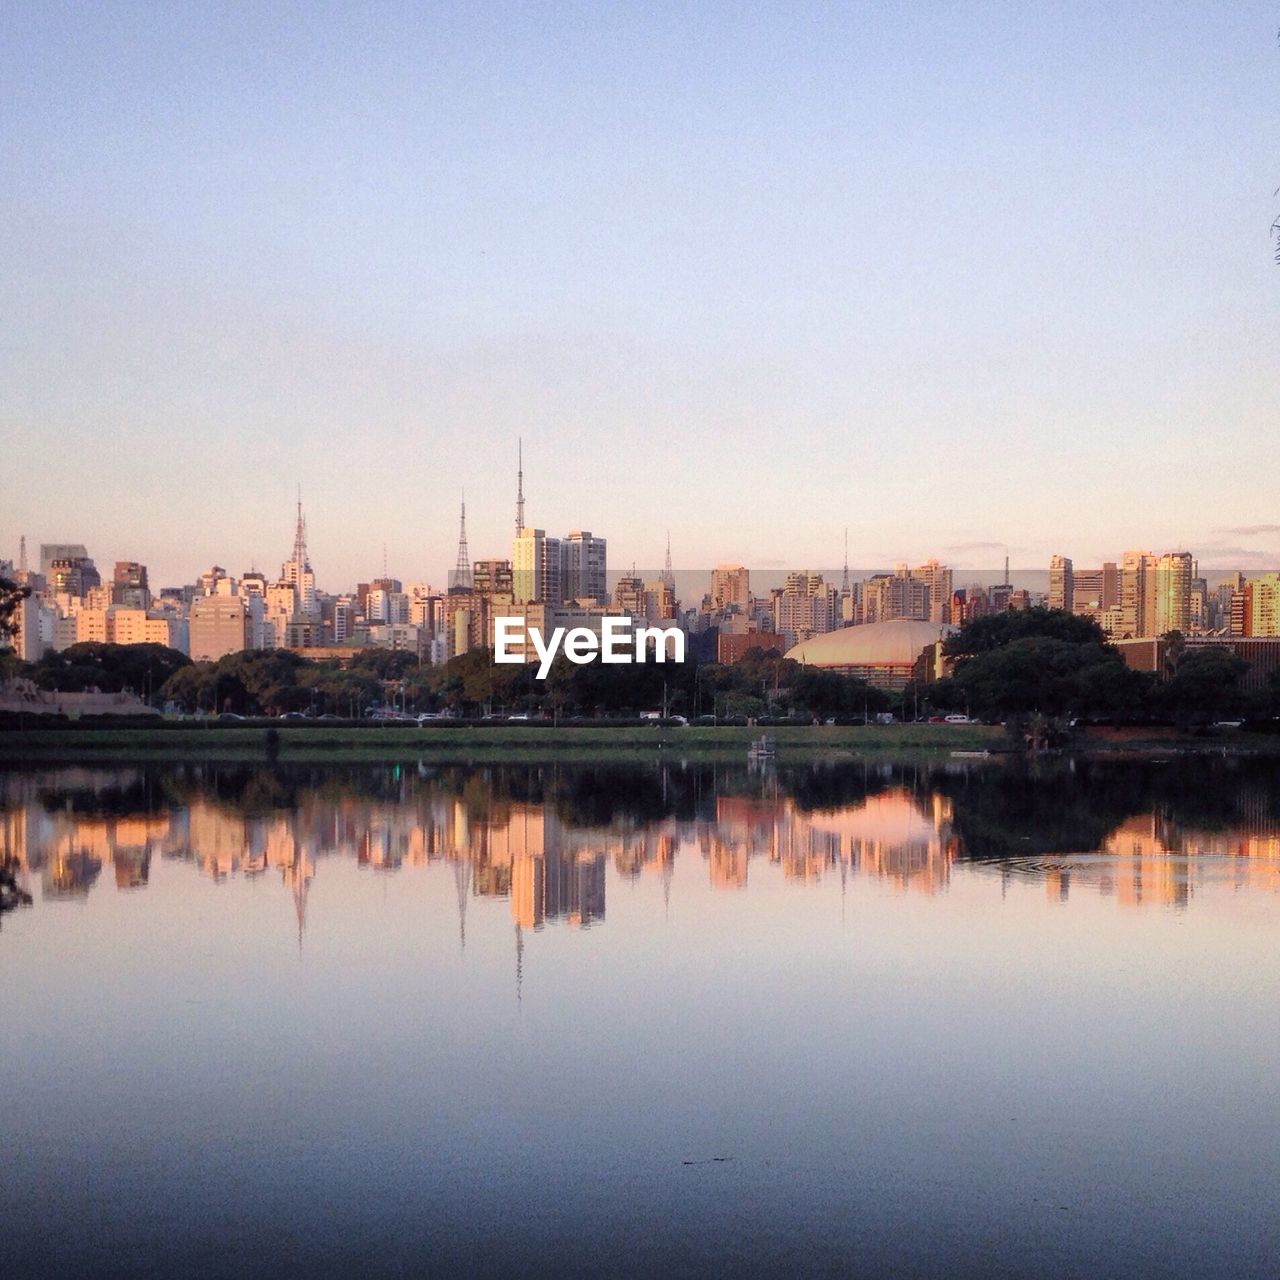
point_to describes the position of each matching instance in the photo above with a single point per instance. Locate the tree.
(11, 596)
(142, 668)
(1049, 675)
(995, 630)
(1205, 686)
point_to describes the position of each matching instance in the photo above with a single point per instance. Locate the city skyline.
(409, 566)
(761, 277)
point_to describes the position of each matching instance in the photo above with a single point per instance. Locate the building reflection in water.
(548, 862)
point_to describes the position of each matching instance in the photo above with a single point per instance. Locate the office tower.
(536, 568)
(1261, 606)
(1138, 593)
(937, 580)
(583, 567)
(1094, 591)
(1172, 593)
(129, 585)
(51, 551)
(1061, 583)
(668, 573)
(219, 625)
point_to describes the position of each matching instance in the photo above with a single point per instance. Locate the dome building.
(888, 655)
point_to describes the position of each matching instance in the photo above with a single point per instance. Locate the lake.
(965, 1018)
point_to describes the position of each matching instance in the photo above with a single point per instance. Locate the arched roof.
(873, 644)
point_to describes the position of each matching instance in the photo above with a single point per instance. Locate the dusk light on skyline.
(961, 280)
(640, 640)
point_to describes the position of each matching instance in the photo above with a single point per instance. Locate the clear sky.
(961, 277)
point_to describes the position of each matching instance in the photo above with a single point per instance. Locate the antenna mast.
(462, 574)
(520, 487)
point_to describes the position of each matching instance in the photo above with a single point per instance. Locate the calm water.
(851, 1020)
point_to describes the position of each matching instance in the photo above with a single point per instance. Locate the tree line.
(1033, 662)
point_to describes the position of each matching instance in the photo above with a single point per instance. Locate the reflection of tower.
(462, 883)
(462, 573)
(297, 876)
(519, 964)
(520, 488)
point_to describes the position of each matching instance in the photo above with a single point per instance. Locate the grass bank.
(532, 743)
(473, 743)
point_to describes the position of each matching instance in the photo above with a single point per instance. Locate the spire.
(462, 884)
(844, 583)
(668, 574)
(520, 488)
(300, 537)
(462, 574)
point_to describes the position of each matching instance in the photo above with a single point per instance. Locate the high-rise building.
(628, 596)
(1137, 594)
(1261, 605)
(805, 607)
(536, 564)
(1094, 591)
(1173, 576)
(730, 585)
(937, 580)
(583, 567)
(219, 625)
(1061, 583)
(886, 596)
(129, 585)
(660, 603)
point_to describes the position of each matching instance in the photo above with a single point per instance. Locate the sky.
(964, 279)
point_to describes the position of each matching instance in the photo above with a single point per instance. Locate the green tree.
(1045, 674)
(995, 630)
(141, 668)
(11, 596)
(1205, 686)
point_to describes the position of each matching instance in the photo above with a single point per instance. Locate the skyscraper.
(584, 572)
(1172, 593)
(1061, 583)
(536, 568)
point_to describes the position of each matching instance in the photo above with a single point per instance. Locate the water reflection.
(540, 838)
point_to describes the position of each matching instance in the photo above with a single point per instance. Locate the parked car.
(229, 715)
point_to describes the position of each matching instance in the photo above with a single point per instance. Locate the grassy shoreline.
(525, 743)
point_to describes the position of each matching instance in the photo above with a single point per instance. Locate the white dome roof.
(873, 644)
